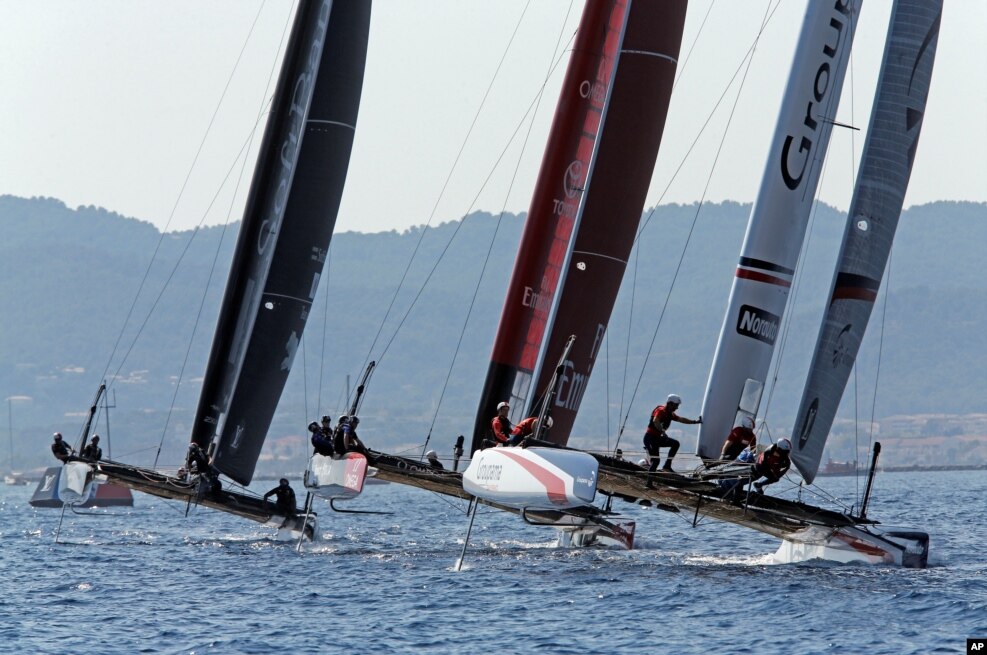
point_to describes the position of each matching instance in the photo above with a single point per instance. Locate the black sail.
(286, 230)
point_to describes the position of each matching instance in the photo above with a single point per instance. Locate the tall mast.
(895, 125)
(778, 221)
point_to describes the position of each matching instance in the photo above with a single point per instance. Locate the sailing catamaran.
(767, 265)
(278, 261)
(578, 235)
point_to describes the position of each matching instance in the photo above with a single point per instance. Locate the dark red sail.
(613, 202)
(553, 209)
(588, 200)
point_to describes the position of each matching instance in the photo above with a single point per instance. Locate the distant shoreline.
(910, 469)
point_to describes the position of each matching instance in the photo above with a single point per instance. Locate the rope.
(174, 208)
(442, 191)
(493, 238)
(325, 326)
(880, 352)
(678, 267)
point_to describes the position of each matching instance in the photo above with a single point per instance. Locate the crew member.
(92, 451)
(433, 460)
(740, 437)
(285, 504)
(526, 428)
(320, 441)
(502, 425)
(772, 464)
(656, 437)
(198, 462)
(345, 439)
(61, 450)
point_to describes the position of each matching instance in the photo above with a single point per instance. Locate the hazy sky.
(107, 102)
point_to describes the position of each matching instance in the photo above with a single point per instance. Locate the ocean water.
(149, 580)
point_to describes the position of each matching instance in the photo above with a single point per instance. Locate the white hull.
(532, 478)
(889, 546)
(336, 479)
(293, 534)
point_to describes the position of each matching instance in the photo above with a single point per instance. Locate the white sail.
(778, 220)
(895, 124)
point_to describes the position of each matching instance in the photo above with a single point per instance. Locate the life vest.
(774, 462)
(525, 427)
(501, 429)
(661, 418)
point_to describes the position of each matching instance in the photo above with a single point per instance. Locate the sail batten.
(872, 220)
(286, 229)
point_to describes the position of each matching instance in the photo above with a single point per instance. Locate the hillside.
(69, 277)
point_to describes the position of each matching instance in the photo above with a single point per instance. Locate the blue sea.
(149, 580)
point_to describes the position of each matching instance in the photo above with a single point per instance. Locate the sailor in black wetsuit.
(286, 498)
(321, 441)
(61, 450)
(198, 462)
(92, 451)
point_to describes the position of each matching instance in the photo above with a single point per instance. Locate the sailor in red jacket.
(772, 464)
(655, 436)
(501, 425)
(740, 437)
(527, 427)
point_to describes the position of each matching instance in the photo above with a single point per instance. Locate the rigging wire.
(325, 326)
(442, 191)
(178, 200)
(637, 253)
(709, 117)
(243, 150)
(880, 351)
(459, 226)
(801, 262)
(503, 210)
(749, 58)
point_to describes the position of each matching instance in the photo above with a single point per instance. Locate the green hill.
(69, 278)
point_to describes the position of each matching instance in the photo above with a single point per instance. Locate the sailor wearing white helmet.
(740, 437)
(501, 425)
(433, 460)
(772, 464)
(656, 437)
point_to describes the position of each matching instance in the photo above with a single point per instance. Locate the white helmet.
(642, 462)
(502, 405)
(785, 445)
(674, 399)
(747, 422)
(431, 455)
